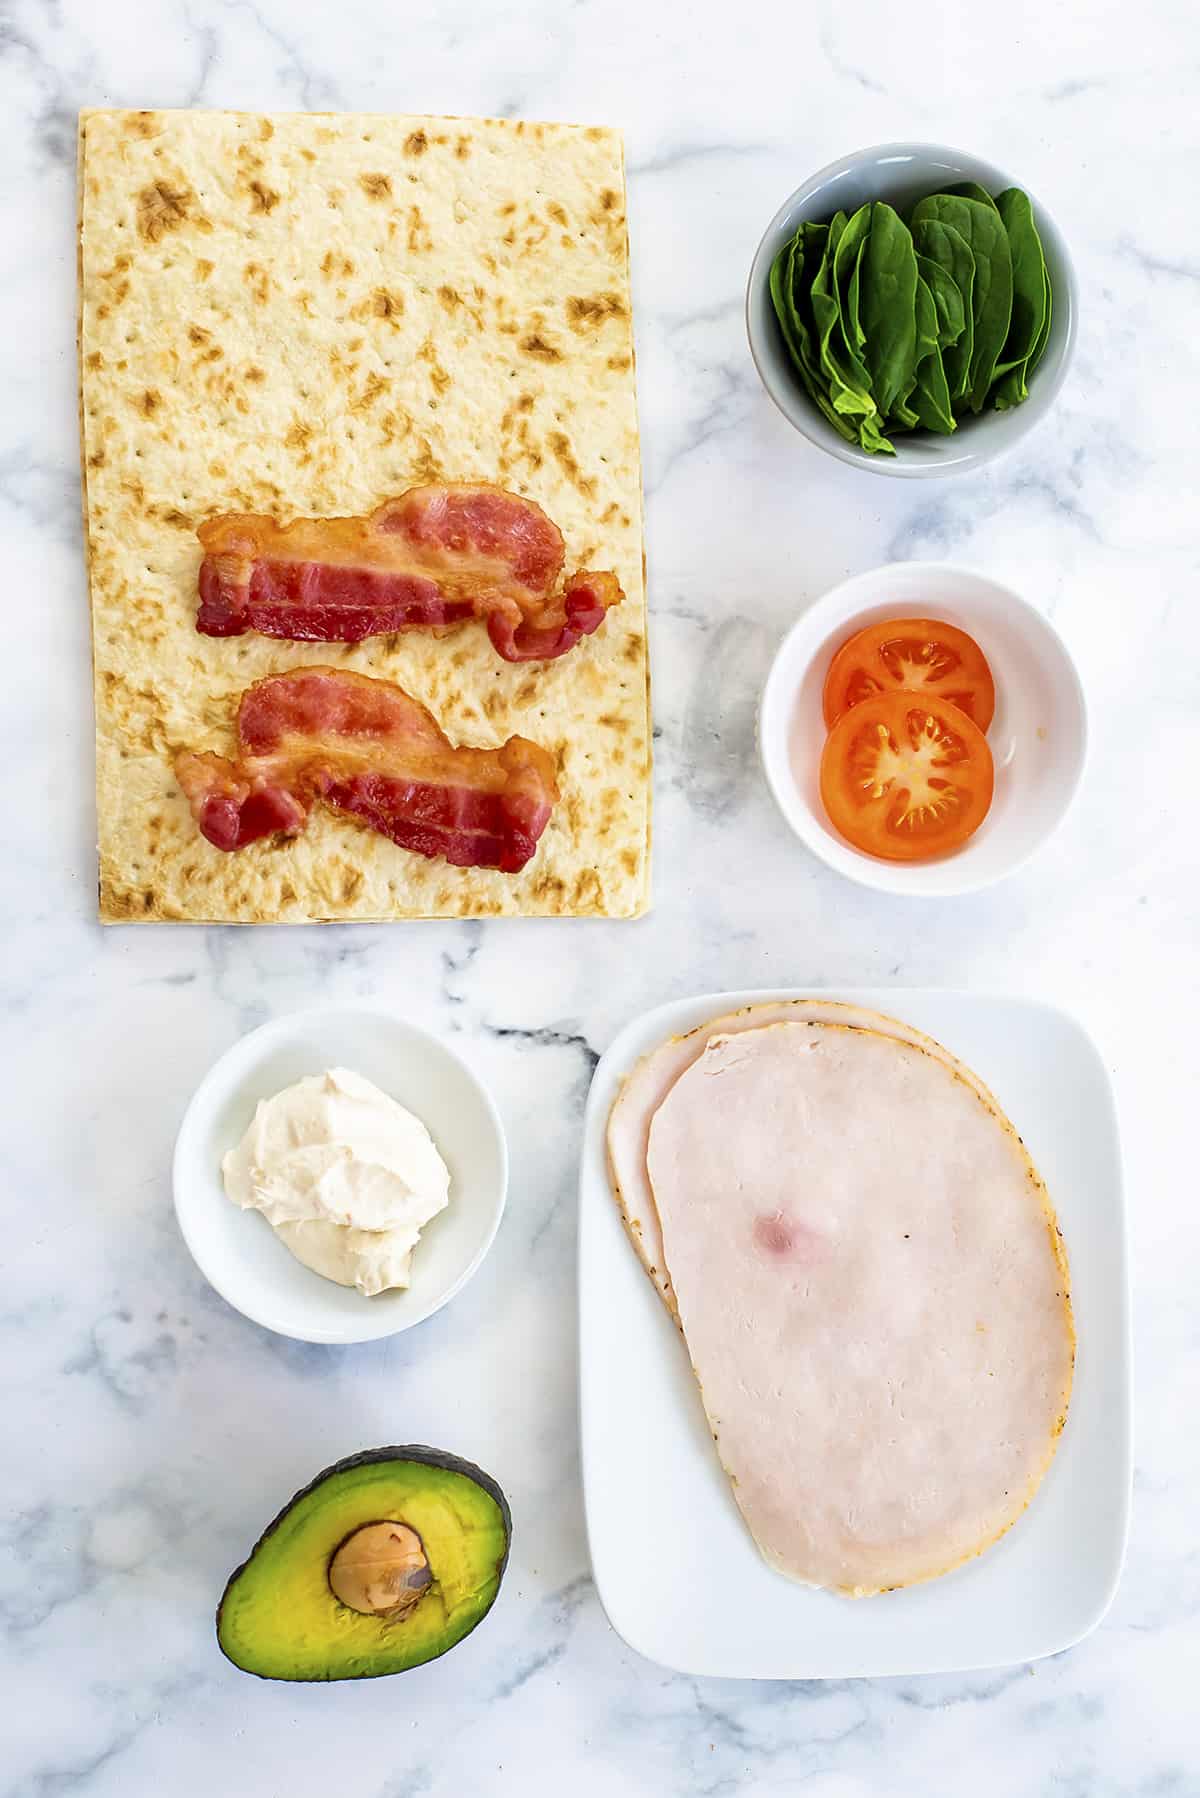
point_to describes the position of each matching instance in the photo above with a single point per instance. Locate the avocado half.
(384, 1561)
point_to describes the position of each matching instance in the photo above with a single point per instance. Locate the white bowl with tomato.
(923, 729)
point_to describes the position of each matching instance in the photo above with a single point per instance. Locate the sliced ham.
(873, 1292)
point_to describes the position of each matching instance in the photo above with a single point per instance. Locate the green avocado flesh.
(279, 1617)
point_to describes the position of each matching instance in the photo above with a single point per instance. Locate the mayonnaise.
(345, 1175)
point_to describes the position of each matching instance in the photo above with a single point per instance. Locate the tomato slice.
(921, 654)
(905, 776)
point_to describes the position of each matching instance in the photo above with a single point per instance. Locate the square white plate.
(675, 1567)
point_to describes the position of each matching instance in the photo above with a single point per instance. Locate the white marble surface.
(149, 1432)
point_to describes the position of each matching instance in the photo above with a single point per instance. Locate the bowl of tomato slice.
(923, 729)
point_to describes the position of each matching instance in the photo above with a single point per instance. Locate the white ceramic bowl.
(238, 1252)
(1038, 736)
(903, 174)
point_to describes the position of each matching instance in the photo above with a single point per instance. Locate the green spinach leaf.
(1031, 299)
(971, 190)
(948, 301)
(1013, 387)
(887, 305)
(1029, 295)
(1039, 348)
(950, 250)
(849, 292)
(846, 277)
(991, 301)
(847, 274)
(786, 284)
(930, 398)
(847, 378)
(905, 412)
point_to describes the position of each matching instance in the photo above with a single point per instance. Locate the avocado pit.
(380, 1570)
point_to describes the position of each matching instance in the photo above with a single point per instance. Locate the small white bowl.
(239, 1253)
(1038, 736)
(902, 174)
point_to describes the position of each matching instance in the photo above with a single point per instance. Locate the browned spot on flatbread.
(557, 213)
(420, 240)
(439, 378)
(462, 148)
(587, 889)
(118, 902)
(416, 143)
(376, 187)
(373, 387)
(262, 197)
(586, 312)
(387, 304)
(534, 344)
(560, 448)
(142, 124)
(204, 268)
(162, 208)
(395, 425)
(148, 402)
(609, 199)
(259, 281)
(426, 466)
(199, 335)
(450, 298)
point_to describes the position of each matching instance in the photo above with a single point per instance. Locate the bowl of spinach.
(913, 310)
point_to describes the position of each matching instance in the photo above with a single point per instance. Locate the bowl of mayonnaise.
(339, 1174)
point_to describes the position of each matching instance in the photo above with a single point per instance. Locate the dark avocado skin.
(418, 1638)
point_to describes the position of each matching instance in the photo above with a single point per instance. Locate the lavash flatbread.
(304, 314)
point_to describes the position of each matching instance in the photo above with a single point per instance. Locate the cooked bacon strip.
(369, 750)
(430, 559)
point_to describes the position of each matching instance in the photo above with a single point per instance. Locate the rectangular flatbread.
(303, 314)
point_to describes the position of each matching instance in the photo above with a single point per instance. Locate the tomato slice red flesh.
(922, 655)
(905, 776)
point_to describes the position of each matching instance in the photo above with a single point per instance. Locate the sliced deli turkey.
(873, 1291)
